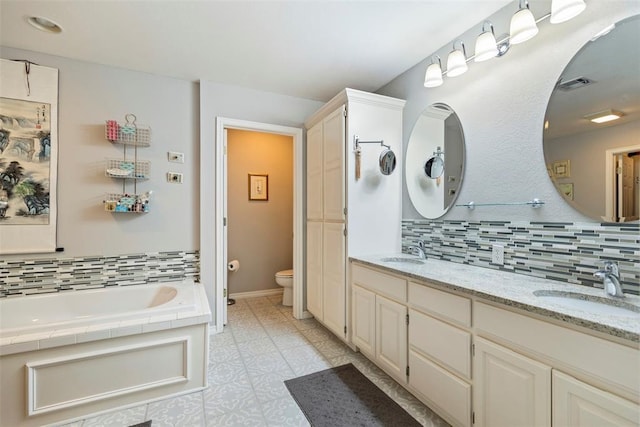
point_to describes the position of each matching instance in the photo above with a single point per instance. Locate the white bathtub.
(75, 354)
(73, 309)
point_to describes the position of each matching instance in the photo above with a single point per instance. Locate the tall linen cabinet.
(349, 215)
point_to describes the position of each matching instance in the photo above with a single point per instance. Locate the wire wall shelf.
(126, 169)
(128, 133)
(131, 203)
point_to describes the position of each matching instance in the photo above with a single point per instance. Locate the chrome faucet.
(610, 276)
(419, 250)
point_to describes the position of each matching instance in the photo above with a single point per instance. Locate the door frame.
(610, 177)
(220, 243)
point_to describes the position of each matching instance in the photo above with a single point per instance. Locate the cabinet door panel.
(450, 394)
(334, 280)
(578, 404)
(364, 320)
(333, 154)
(314, 172)
(314, 268)
(391, 337)
(510, 389)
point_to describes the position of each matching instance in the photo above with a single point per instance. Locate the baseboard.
(255, 294)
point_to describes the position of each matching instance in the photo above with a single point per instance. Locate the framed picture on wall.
(562, 169)
(258, 187)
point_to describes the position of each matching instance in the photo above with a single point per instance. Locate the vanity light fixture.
(44, 24)
(457, 61)
(563, 10)
(486, 45)
(433, 76)
(604, 116)
(523, 25)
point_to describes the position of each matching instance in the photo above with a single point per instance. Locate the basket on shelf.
(128, 133)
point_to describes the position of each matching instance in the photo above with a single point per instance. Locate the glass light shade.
(563, 10)
(485, 47)
(523, 26)
(433, 76)
(456, 63)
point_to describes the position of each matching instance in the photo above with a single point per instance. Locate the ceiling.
(307, 49)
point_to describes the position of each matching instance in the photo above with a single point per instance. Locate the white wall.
(501, 104)
(89, 94)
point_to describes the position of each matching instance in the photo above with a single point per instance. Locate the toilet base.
(287, 297)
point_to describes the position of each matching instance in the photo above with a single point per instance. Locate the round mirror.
(387, 162)
(592, 127)
(434, 163)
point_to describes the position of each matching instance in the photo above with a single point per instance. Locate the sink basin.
(403, 260)
(590, 303)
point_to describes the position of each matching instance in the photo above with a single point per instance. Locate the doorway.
(622, 189)
(221, 259)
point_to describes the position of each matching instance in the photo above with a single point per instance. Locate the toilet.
(284, 278)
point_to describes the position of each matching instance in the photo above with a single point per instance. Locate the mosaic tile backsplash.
(36, 276)
(568, 252)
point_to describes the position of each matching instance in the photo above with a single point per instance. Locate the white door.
(363, 322)
(225, 228)
(391, 337)
(578, 404)
(314, 268)
(509, 390)
(333, 154)
(334, 279)
(314, 172)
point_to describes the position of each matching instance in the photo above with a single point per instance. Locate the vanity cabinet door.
(314, 268)
(391, 337)
(578, 404)
(333, 154)
(363, 322)
(315, 172)
(509, 389)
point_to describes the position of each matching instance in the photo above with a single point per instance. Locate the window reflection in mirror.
(433, 191)
(596, 166)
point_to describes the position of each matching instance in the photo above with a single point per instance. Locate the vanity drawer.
(448, 345)
(437, 387)
(448, 306)
(382, 284)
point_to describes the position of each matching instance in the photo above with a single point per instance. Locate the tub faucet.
(419, 250)
(610, 276)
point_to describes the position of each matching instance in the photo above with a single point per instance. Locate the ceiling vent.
(572, 84)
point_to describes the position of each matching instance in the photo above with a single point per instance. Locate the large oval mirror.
(592, 160)
(434, 163)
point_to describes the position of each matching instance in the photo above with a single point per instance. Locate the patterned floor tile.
(284, 412)
(249, 334)
(182, 411)
(304, 324)
(230, 397)
(249, 349)
(280, 328)
(317, 334)
(289, 340)
(226, 372)
(265, 363)
(223, 353)
(126, 417)
(301, 369)
(273, 317)
(271, 386)
(332, 348)
(222, 339)
(250, 417)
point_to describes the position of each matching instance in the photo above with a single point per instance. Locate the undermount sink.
(403, 260)
(590, 303)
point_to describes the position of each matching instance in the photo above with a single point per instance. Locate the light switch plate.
(175, 157)
(497, 254)
(174, 177)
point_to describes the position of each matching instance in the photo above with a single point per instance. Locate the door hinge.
(224, 222)
(473, 418)
(344, 112)
(473, 350)
(345, 330)
(345, 211)
(344, 231)
(224, 293)
(407, 370)
(407, 319)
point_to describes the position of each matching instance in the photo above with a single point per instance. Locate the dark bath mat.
(144, 424)
(343, 396)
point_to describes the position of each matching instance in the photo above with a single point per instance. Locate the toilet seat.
(285, 273)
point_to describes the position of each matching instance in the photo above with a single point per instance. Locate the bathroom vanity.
(489, 348)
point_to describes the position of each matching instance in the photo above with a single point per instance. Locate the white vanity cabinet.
(440, 351)
(379, 319)
(346, 215)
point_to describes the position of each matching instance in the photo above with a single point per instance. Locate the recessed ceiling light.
(604, 116)
(44, 24)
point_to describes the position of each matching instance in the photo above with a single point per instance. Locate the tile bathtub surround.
(26, 277)
(261, 347)
(568, 252)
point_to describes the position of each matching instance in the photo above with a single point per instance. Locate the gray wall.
(260, 233)
(89, 94)
(501, 104)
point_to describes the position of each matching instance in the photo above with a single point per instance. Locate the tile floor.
(262, 345)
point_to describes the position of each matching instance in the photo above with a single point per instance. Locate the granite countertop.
(517, 290)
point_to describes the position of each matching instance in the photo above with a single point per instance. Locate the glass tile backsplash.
(37, 276)
(565, 251)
